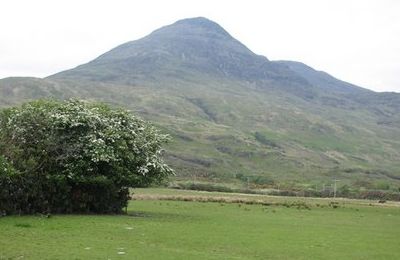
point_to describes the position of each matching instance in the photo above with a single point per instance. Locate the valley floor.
(170, 224)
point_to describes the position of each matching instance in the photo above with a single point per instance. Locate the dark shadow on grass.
(23, 225)
(139, 214)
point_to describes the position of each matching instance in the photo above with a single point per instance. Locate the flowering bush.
(78, 156)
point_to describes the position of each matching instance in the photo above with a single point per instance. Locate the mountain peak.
(202, 22)
(198, 45)
(196, 25)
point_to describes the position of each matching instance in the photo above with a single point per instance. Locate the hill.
(234, 113)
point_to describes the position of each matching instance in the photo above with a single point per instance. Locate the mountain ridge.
(232, 111)
(190, 43)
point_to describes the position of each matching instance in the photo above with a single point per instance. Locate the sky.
(354, 40)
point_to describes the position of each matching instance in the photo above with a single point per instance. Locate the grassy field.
(157, 227)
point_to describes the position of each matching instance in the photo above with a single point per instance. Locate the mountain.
(197, 46)
(235, 113)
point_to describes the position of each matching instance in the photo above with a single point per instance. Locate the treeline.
(365, 194)
(343, 192)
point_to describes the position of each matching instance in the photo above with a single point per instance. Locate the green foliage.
(255, 180)
(75, 156)
(203, 187)
(213, 188)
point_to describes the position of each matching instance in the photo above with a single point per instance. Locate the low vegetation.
(343, 191)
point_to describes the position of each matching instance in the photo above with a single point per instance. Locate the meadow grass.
(165, 229)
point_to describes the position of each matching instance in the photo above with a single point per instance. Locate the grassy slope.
(194, 230)
(215, 137)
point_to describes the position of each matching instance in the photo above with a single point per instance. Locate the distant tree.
(75, 156)
(344, 191)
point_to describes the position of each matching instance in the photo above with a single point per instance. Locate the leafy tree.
(76, 156)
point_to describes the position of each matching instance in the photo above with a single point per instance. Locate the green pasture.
(155, 228)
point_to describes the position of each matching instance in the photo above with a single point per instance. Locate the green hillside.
(233, 112)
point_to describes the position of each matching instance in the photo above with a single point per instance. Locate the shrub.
(203, 187)
(379, 195)
(75, 156)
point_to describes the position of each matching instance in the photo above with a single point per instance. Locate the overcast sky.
(354, 40)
